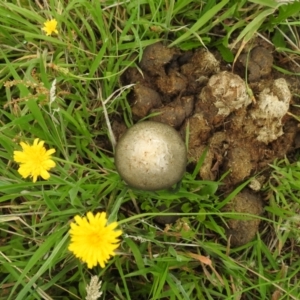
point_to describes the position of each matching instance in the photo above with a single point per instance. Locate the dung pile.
(194, 90)
(243, 125)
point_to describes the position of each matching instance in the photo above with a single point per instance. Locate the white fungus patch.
(228, 92)
(273, 104)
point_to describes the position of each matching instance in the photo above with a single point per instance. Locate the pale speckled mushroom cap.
(151, 156)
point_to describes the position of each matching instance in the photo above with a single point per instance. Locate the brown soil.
(244, 125)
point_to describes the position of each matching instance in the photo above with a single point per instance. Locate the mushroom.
(151, 156)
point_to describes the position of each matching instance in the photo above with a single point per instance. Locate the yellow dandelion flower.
(50, 27)
(92, 240)
(34, 160)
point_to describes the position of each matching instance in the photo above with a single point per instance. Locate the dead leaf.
(276, 295)
(204, 260)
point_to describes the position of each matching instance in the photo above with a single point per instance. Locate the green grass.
(58, 88)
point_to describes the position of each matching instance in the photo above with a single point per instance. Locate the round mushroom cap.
(151, 156)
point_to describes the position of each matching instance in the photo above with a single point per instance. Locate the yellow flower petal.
(34, 160)
(45, 174)
(50, 151)
(92, 240)
(19, 156)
